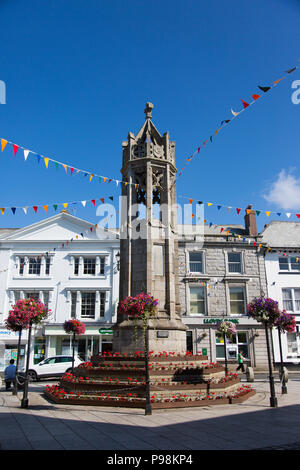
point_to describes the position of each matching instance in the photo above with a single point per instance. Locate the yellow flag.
(65, 204)
(104, 179)
(3, 144)
(209, 203)
(268, 213)
(91, 177)
(45, 208)
(248, 211)
(65, 167)
(46, 160)
(2, 209)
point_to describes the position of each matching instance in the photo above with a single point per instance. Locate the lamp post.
(282, 375)
(273, 399)
(15, 390)
(24, 401)
(225, 352)
(148, 407)
(73, 351)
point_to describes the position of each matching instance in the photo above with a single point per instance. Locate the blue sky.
(78, 75)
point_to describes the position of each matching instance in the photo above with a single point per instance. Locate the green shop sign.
(216, 320)
(105, 331)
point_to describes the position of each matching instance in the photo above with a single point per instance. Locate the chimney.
(250, 221)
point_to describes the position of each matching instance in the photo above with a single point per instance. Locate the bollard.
(250, 374)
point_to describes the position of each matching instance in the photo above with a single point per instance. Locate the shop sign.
(105, 331)
(11, 334)
(216, 320)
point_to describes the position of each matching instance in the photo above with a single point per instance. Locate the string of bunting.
(238, 209)
(235, 114)
(55, 206)
(68, 168)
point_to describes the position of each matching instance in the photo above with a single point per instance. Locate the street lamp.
(225, 352)
(118, 257)
(273, 399)
(24, 401)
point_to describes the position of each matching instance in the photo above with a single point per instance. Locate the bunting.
(71, 168)
(235, 114)
(258, 212)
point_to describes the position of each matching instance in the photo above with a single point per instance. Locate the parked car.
(54, 366)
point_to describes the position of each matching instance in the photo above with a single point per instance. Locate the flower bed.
(139, 355)
(242, 394)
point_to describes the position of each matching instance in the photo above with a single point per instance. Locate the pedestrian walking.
(10, 374)
(240, 362)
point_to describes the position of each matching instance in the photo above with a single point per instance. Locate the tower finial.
(148, 110)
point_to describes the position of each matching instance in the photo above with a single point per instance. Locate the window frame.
(293, 300)
(90, 293)
(289, 263)
(237, 343)
(244, 289)
(241, 262)
(36, 264)
(191, 252)
(198, 314)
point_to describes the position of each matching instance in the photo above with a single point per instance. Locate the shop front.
(9, 347)
(95, 340)
(249, 339)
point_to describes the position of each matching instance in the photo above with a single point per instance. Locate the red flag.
(15, 147)
(245, 104)
(298, 215)
(199, 149)
(72, 169)
(102, 199)
(238, 211)
(222, 229)
(93, 201)
(35, 208)
(255, 97)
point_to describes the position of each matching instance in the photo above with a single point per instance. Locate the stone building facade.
(219, 274)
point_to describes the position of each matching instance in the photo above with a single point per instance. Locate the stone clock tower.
(148, 232)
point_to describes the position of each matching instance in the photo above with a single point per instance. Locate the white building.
(72, 266)
(283, 280)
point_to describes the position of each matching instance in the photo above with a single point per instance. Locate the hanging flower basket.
(25, 313)
(227, 328)
(264, 310)
(140, 307)
(74, 326)
(286, 322)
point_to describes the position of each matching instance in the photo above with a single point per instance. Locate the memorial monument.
(149, 245)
